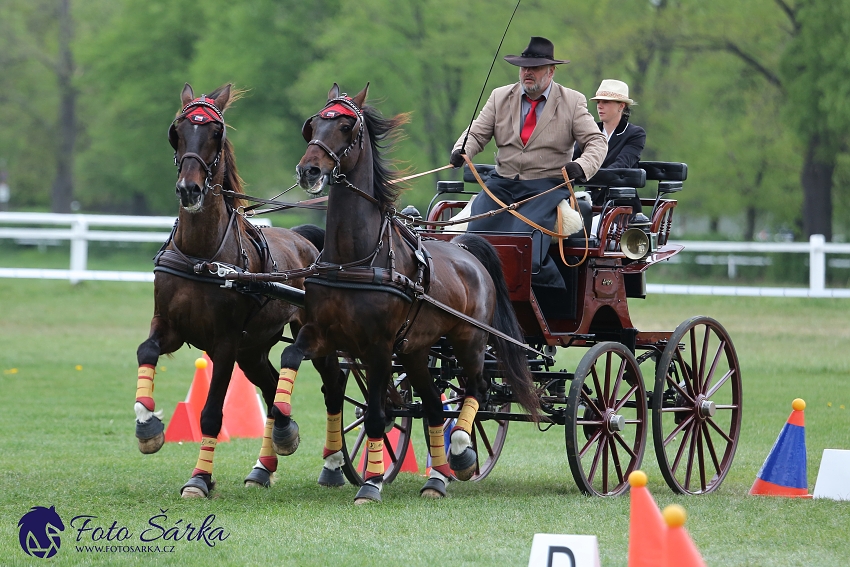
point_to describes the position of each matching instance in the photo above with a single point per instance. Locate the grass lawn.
(67, 384)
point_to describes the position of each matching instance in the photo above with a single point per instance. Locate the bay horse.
(190, 304)
(365, 299)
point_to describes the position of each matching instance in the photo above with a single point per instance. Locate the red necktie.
(530, 122)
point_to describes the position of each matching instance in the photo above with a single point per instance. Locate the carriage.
(397, 312)
(683, 386)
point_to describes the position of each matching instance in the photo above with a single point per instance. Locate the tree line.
(752, 95)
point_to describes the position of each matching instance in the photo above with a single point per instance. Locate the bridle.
(336, 107)
(200, 111)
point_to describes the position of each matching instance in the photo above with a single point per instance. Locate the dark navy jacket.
(624, 145)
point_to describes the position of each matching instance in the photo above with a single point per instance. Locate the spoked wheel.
(606, 420)
(696, 406)
(396, 437)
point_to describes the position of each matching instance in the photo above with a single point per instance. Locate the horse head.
(198, 136)
(335, 140)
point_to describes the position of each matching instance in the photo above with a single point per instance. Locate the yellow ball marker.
(638, 479)
(675, 516)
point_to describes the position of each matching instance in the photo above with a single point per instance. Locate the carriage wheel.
(696, 406)
(396, 438)
(606, 420)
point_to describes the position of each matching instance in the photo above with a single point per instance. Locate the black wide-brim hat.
(540, 51)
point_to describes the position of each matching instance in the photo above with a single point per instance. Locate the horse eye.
(346, 128)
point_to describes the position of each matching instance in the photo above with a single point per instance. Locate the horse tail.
(313, 233)
(512, 357)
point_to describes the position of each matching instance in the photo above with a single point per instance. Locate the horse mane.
(383, 134)
(232, 180)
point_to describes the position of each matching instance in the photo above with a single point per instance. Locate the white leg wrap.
(334, 461)
(460, 441)
(143, 414)
(260, 465)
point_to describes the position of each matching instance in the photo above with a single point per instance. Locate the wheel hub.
(615, 422)
(705, 408)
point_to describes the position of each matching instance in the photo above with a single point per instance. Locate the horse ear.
(360, 97)
(334, 92)
(222, 96)
(187, 95)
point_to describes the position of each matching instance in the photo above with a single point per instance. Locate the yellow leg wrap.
(467, 415)
(375, 458)
(333, 434)
(144, 386)
(283, 397)
(266, 449)
(205, 459)
(268, 458)
(437, 446)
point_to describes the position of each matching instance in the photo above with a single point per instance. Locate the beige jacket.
(563, 121)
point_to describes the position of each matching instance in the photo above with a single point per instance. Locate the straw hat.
(612, 89)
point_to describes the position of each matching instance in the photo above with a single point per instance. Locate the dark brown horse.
(190, 304)
(364, 301)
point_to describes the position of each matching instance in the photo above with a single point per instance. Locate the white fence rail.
(78, 230)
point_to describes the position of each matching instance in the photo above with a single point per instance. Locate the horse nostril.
(315, 171)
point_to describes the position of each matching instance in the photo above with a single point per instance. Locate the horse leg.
(285, 437)
(333, 388)
(462, 457)
(149, 428)
(378, 371)
(201, 483)
(421, 381)
(261, 373)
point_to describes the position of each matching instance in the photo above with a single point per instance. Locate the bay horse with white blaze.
(367, 299)
(190, 303)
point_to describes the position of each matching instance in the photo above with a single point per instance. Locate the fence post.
(817, 265)
(79, 248)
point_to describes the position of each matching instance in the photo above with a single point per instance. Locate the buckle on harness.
(221, 270)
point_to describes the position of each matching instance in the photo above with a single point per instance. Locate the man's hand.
(575, 172)
(457, 158)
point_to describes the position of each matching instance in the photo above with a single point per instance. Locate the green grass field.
(66, 440)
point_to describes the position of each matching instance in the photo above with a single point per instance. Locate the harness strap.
(478, 324)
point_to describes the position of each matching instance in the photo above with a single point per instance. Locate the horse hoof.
(198, 487)
(193, 492)
(150, 446)
(260, 478)
(331, 478)
(285, 441)
(150, 435)
(464, 465)
(367, 494)
(434, 488)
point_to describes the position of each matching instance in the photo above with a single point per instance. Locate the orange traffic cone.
(784, 471)
(244, 415)
(646, 525)
(185, 423)
(407, 465)
(680, 550)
